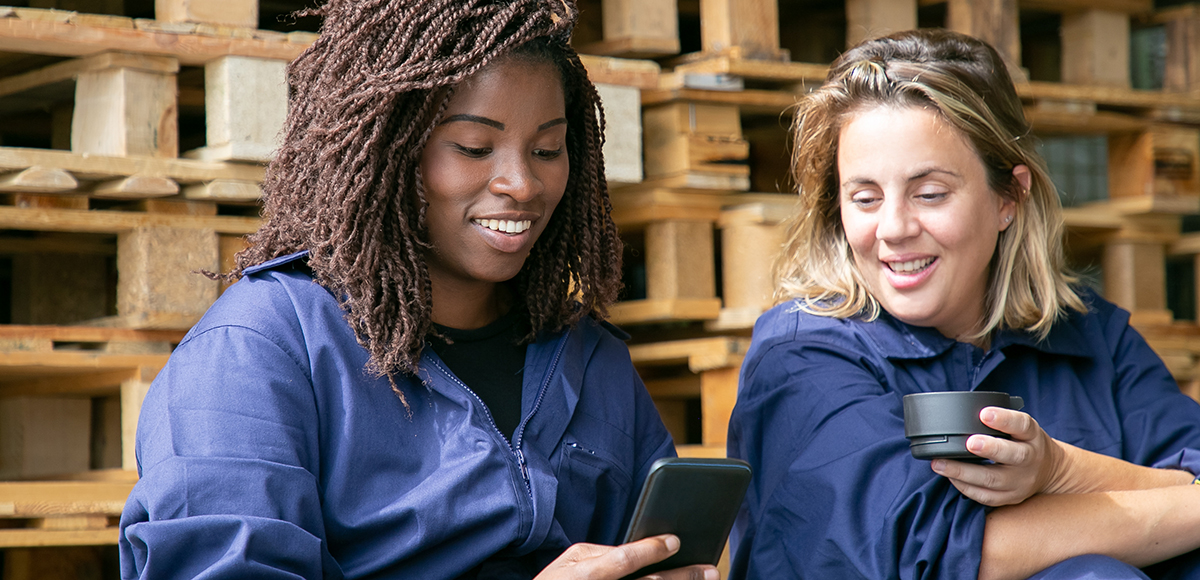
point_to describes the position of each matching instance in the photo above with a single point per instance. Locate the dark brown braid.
(346, 186)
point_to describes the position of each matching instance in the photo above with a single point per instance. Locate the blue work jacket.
(836, 492)
(266, 450)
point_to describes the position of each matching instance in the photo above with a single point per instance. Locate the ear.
(1008, 207)
(1024, 177)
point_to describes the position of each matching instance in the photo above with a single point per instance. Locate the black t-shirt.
(491, 361)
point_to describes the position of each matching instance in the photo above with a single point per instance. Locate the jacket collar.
(899, 340)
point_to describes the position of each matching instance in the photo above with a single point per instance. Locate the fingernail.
(672, 543)
(989, 415)
(937, 465)
(712, 574)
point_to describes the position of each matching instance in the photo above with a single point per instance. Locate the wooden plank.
(642, 74)
(47, 36)
(101, 167)
(761, 70)
(70, 69)
(646, 311)
(42, 499)
(115, 222)
(700, 354)
(79, 384)
(867, 19)
(23, 538)
(1095, 48)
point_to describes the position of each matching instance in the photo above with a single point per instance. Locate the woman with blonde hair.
(926, 256)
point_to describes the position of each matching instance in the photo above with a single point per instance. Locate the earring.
(1007, 219)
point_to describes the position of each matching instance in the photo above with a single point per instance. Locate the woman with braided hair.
(409, 379)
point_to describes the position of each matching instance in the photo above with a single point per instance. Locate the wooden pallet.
(61, 513)
(62, 388)
(707, 370)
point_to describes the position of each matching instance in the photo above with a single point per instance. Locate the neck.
(466, 307)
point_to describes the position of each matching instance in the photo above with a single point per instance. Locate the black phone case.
(695, 499)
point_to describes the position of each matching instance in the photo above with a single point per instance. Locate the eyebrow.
(497, 124)
(918, 175)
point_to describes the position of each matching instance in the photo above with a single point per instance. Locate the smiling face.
(919, 215)
(494, 169)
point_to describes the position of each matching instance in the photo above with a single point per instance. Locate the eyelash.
(478, 152)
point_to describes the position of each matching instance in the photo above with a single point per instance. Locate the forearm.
(1139, 527)
(1084, 471)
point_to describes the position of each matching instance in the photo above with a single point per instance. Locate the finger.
(1002, 451)
(689, 573)
(581, 552)
(1018, 425)
(631, 557)
(980, 476)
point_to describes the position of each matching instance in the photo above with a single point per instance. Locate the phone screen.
(695, 499)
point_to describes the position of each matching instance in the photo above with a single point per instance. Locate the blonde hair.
(966, 82)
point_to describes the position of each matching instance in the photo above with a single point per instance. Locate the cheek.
(859, 230)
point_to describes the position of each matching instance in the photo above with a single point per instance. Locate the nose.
(514, 177)
(896, 220)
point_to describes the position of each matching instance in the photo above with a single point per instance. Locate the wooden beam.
(245, 105)
(638, 29)
(993, 21)
(23, 34)
(69, 70)
(160, 273)
(43, 499)
(105, 167)
(126, 111)
(239, 13)
(115, 222)
(746, 29)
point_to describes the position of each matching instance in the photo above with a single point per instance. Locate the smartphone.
(695, 499)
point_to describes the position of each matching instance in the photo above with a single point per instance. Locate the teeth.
(506, 226)
(910, 266)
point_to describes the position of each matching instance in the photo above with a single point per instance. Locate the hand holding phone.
(694, 499)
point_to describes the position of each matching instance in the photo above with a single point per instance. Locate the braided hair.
(346, 186)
